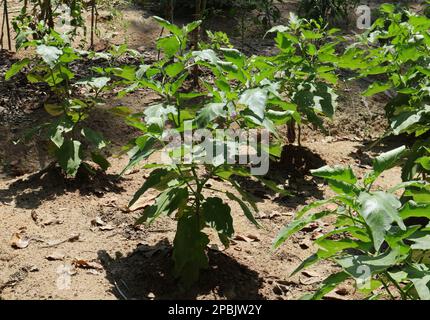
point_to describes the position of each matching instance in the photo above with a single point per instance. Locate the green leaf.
(256, 100)
(217, 216)
(189, 249)
(209, 113)
(157, 179)
(59, 128)
(338, 173)
(166, 203)
(143, 151)
(359, 266)
(16, 67)
(375, 88)
(168, 26)
(387, 160)
(419, 274)
(313, 205)
(172, 70)
(69, 157)
(424, 162)
(297, 225)
(328, 285)
(421, 243)
(54, 109)
(248, 213)
(169, 45)
(49, 54)
(412, 209)
(192, 26)
(94, 138)
(380, 210)
(100, 160)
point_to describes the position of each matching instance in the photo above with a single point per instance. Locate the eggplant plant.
(70, 141)
(395, 54)
(305, 68)
(185, 176)
(374, 241)
(38, 17)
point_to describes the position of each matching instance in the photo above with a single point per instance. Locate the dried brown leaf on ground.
(84, 264)
(19, 241)
(56, 255)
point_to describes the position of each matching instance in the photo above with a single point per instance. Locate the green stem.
(387, 289)
(396, 284)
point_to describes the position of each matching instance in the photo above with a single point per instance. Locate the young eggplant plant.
(70, 141)
(374, 241)
(396, 57)
(193, 153)
(305, 68)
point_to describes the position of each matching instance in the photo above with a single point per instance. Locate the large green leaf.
(380, 210)
(255, 100)
(412, 209)
(168, 26)
(94, 138)
(69, 157)
(16, 67)
(166, 203)
(419, 274)
(58, 129)
(172, 70)
(328, 285)
(246, 210)
(375, 88)
(169, 45)
(338, 173)
(49, 54)
(158, 179)
(387, 160)
(359, 266)
(217, 216)
(209, 113)
(189, 249)
(297, 225)
(141, 152)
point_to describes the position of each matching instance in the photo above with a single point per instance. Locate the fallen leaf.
(51, 221)
(53, 243)
(343, 291)
(98, 222)
(107, 227)
(92, 271)
(19, 241)
(142, 203)
(311, 227)
(84, 264)
(55, 256)
(242, 238)
(308, 281)
(311, 274)
(253, 237)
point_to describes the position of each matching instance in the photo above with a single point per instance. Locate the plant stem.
(387, 289)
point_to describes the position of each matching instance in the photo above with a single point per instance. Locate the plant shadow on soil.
(148, 271)
(293, 171)
(50, 183)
